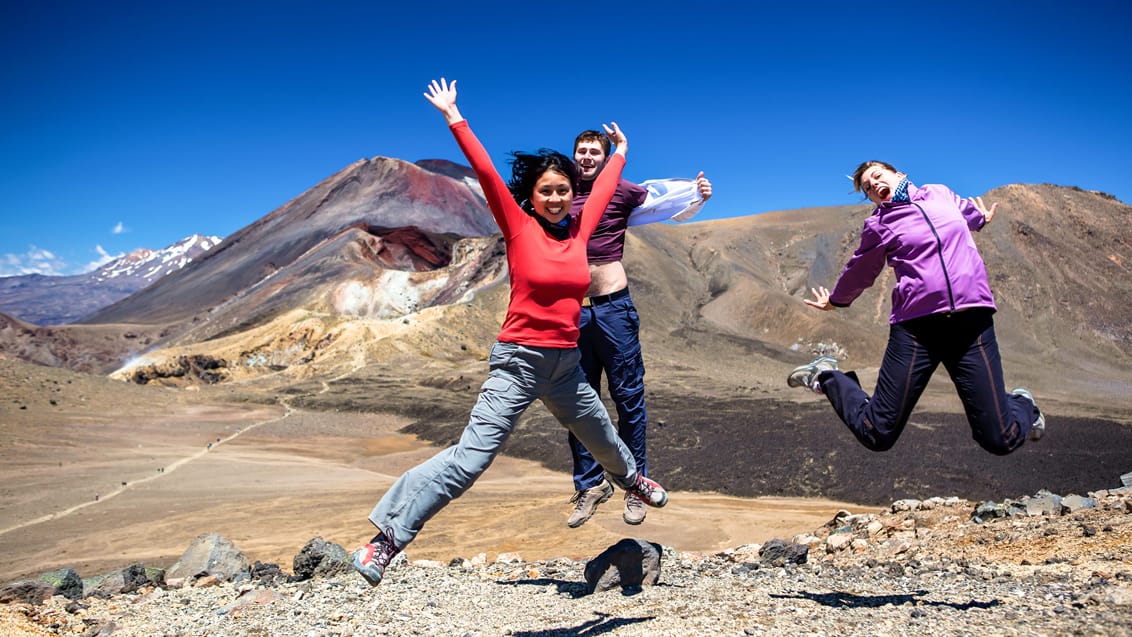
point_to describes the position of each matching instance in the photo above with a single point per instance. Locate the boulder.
(126, 580)
(322, 558)
(777, 552)
(211, 554)
(26, 592)
(628, 563)
(66, 582)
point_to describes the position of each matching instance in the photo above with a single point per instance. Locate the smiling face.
(878, 182)
(552, 196)
(589, 156)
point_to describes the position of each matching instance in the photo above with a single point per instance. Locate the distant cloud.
(104, 257)
(119, 228)
(34, 261)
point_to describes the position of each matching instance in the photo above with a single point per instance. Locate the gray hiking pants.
(519, 375)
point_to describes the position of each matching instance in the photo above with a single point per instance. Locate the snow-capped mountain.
(151, 265)
(57, 300)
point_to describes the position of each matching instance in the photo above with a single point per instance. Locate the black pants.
(965, 344)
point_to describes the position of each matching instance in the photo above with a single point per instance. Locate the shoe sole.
(631, 522)
(604, 498)
(797, 377)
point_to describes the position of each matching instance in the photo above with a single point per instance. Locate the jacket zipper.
(939, 250)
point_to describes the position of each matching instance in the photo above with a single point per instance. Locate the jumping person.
(942, 312)
(610, 327)
(535, 355)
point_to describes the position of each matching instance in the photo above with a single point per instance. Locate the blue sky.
(133, 124)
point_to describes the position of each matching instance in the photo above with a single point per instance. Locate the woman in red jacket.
(535, 355)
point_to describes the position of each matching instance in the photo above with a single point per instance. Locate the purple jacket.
(928, 243)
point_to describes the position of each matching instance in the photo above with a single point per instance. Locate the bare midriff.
(606, 278)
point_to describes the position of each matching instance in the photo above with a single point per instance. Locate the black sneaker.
(371, 560)
(807, 375)
(1038, 429)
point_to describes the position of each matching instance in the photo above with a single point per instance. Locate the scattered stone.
(1074, 503)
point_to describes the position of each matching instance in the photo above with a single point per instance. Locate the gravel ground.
(924, 568)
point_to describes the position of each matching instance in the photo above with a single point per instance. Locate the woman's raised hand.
(442, 95)
(821, 299)
(988, 213)
(618, 138)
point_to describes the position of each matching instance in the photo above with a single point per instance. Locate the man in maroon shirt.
(609, 341)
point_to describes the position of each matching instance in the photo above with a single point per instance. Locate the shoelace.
(643, 489)
(580, 498)
(382, 553)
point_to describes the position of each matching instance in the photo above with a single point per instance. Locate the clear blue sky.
(127, 124)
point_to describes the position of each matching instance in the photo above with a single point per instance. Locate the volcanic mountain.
(360, 204)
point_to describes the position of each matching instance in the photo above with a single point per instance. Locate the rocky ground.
(1057, 567)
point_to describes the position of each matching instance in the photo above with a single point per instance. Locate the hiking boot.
(586, 503)
(648, 492)
(635, 510)
(807, 375)
(371, 560)
(1038, 429)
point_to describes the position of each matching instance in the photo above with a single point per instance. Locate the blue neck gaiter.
(901, 192)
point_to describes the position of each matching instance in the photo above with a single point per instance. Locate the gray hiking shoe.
(635, 510)
(371, 560)
(807, 375)
(1038, 429)
(586, 502)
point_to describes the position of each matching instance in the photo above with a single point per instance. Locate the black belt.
(604, 298)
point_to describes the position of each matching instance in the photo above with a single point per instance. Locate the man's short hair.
(593, 136)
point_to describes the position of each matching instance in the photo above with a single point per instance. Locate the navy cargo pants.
(609, 343)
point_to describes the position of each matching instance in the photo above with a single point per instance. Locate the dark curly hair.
(526, 168)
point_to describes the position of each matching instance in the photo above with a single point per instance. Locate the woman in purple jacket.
(942, 312)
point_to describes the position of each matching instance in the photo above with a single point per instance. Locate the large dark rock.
(778, 552)
(126, 580)
(66, 582)
(321, 558)
(629, 563)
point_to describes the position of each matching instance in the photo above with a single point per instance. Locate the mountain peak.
(56, 300)
(147, 265)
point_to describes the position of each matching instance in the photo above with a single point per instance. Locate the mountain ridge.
(57, 300)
